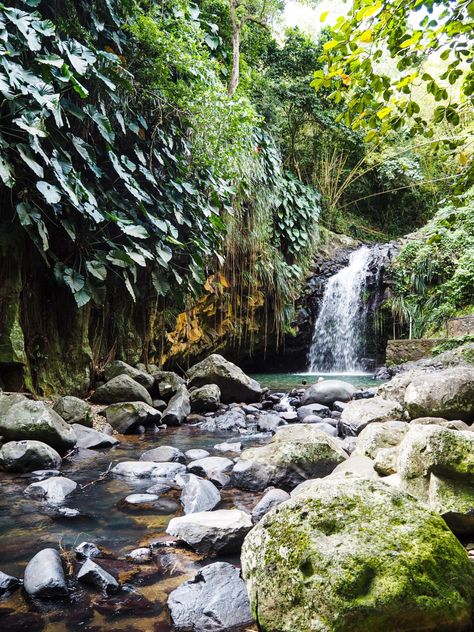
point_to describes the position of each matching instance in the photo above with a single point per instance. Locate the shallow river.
(25, 528)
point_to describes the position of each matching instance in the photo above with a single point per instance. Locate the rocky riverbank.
(352, 509)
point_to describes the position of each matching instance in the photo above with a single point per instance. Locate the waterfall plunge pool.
(287, 381)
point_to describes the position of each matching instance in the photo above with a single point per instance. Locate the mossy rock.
(355, 555)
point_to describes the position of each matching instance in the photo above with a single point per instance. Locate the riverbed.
(26, 527)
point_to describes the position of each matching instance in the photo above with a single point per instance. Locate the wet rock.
(8, 584)
(141, 501)
(121, 389)
(211, 466)
(160, 488)
(147, 469)
(163, 454)
(361, 412)
(313, 409)
(140, 556)
(132, 604)
(86, 550)
(448, 394)
(74, 410)
(269, 423)
(25, 456)
(212, 531)
(296, 453)
(32, 420)
(205, 399)
(91, 573)
(64, 513)
(212, 601)
(159, 404)
(44, 575)
(289, 416)
(198, 494)
(53, 490)
(272, 498)
(168, 471)
(344, 542)
(231, 421)
(228, 447)
(89, 438)
(117, 368)
(234, 385)
(125, 418)
(327, 392)
(168, 383)
(178, 407)
(40, 475)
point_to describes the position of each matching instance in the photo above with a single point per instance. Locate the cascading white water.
(338, 333)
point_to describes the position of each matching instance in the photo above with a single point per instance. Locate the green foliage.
(98, 151)
(453, 343)
(434, 273)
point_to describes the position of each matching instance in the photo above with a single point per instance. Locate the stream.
(25, 528)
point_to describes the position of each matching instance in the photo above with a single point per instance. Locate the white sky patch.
(308, 19)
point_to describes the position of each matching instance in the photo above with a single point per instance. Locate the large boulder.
(212, 531)
(355, 555)
(126, 417)
(361, 412)
(167, 382)
(28, 419)
(295, 453)
(206, 398)
(113, 369)
(27, 456)
(234, 385)
(74, 410)
(327, 392)
(121, 389)
(44, 575)
(214, 600)
(448, 394)
(384, 434)
(178, 407)
(396, 387)
(436, 465)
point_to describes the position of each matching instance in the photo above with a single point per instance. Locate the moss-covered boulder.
(436, 465)
(354, 555)
(113, 369)
(375, 437)
(296, 453)
(448, 394)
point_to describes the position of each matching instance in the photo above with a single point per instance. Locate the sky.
(308, 19)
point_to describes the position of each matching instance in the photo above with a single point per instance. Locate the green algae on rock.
(354, 555)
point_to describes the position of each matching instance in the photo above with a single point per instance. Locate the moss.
(389, 565)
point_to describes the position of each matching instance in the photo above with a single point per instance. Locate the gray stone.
(312, 419)
(140, 556)
(290, 416)
(148, 469)
(116, 368)
(205, 399)
(212, 531)
(231, 421)
(40, 475)
(93, 574)
(44, 575)
(90, 439)
(74, 410)
(448, 393)
(313, 409)
(28, 419)
(168, 471)
(327, 392)
(196, 454)
(356, 465)
(269, 422)
(178, 407)
(235, 447)
(26, 456)
(269, 500)
(8, 584)
(296, 453)
(327, 428)
(214, 600)
(198, 494)
(126, 417)
(361, 412)
(168, 383)
(163, 454)
(234, 385)
(86, 549)
(349, 444)
(211, 466)
(385, 461)
(121, 389)
(141, 501)
(385, 434)
(53, 490)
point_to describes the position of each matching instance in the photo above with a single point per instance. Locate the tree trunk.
(236, 28)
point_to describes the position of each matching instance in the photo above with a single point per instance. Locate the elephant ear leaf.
(51, 194)
(6, 172)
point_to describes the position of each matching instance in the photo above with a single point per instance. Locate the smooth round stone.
(141, 500)
(140, 555)
(196, 454)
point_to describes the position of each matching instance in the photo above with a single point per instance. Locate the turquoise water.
(286, 381)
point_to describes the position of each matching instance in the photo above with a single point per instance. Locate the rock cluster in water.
(360, 496)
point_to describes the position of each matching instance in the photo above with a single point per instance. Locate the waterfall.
(338, 337)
